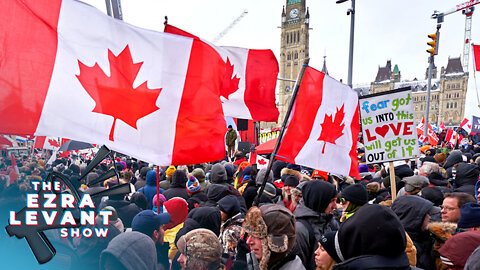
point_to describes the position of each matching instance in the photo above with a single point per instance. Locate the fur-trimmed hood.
(287, 171)
(442, 230)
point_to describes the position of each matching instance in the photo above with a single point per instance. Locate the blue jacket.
(150, 188)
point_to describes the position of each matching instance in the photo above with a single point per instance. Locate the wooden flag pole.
(282, 131)
(393, 183)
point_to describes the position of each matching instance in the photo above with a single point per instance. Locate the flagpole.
(282, 131)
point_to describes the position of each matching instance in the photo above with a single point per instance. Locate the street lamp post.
(350, 12)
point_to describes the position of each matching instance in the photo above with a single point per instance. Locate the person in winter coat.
(413, 212)
(199, 173)
(352, 198)
(141, 181)
(271, 236)
(178, 210)
(455, 252)
(197, 196)
(152, 225)
(466, 178)
(218, 174)
(232, 218)
(314, 218)
(126, 210)
(165, 184)
(150, 188)
(373, 238)
(178, 186)
(130, 251)
(230, 140)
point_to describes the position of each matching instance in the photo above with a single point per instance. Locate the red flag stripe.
(476, 54)
(310, 93)
(24, 70)
(260, 76)
(353, 152)
(200, 100)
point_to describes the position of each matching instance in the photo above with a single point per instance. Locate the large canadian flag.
(323, 130)
(44, 142)
(248, 89)
(70, 71)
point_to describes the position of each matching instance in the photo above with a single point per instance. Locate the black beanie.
(372, 221)
(356, 194)
(469, 215)
(328, 243)
(291, 181)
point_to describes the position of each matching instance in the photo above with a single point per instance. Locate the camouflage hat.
(200, 244)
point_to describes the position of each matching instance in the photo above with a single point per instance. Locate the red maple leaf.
(332, 130)
(262, 162)
(229, 85)
(115, 95)
(53, 142)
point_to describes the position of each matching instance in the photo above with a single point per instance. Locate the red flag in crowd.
(451, 137)
(324, 127)
(143, 93)
(476, 56)
(248, 89)
(466, 125)
(432, 137)
(14, 173)
(44, 142)
(442, 126)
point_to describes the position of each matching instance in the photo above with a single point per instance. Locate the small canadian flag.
(451, 137)
(422, 138)
(259, 160)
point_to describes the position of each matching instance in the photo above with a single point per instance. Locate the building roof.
(324, 68)
(384, 73)
(454, 66)
(396, 70)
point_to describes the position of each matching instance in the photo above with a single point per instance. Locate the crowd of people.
(208, 216)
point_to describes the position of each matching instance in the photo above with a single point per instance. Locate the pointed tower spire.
(324, 68)
(284, 15)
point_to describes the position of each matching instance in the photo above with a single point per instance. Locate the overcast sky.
(384, 29)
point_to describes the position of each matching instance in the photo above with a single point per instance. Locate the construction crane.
(226, 30)
(467, 9)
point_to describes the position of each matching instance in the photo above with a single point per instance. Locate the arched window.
(294, 38)
(298, 36)
(448, 105)
(455, 104)
(288, 38)
(289, 57)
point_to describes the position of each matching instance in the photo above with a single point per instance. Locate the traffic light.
(433, 44)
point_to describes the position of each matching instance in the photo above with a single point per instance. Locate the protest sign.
(476, 124)
(388, 126)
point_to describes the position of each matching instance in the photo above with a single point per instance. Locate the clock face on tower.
(294, 13)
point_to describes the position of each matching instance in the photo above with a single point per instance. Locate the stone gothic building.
(447, 95)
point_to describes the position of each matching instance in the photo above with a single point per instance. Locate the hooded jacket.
(411, 211)
(452, 159)
(150, 189)
(178, 186)
(134, 250)
(316, 197)
(126, 210)
(201, 217)
(141, 181)
(467, 174)
(218, 174)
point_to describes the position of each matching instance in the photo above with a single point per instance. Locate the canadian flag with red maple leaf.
(44, 142)
(323, 129)
(68, 70)
(248, 89)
